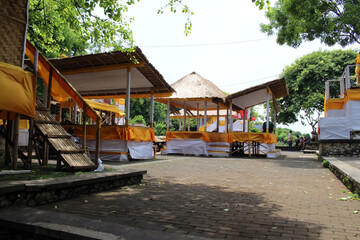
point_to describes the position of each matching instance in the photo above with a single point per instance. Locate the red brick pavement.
(292, 197)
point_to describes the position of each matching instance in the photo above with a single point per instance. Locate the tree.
(305, 80)
(331, 21)
(72, 26)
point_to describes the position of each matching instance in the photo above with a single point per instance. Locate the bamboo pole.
(98, 134)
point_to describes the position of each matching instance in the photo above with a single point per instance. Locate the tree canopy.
(331, 21)
(306, 78)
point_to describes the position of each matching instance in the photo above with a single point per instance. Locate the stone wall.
(339, 148)
(32, 198)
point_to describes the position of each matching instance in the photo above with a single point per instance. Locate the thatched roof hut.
(192, 90)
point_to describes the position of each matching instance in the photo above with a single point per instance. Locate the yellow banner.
(17, 91)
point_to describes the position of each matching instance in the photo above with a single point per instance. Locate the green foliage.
(254, 129)
(160, 128)
(305, 80)
(331, 21)
(325, 163)
(282, 134)
(262, 4)
(71, 27)
(138, 119)
(174, 6)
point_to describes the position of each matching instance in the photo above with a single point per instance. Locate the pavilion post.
(180, 124)
(168, 116)
(231, 118)
(98, 134)
(15, 140)
(48, 100)
(197, 117)
(84, 127)
(244, 120)
(189, 124)
(267, 110)
(218, 117)
(205, 116)
(127, 100)
(275, 112)
(184, 116)
(152, 109)
(75, 112)
(227, 121)
(31, 120)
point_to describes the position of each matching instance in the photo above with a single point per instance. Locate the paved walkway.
(292, 197)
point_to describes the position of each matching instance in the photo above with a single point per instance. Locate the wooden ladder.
(69, 155)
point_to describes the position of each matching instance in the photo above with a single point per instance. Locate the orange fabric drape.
(127, 133)
(17, 91)
(223, 137)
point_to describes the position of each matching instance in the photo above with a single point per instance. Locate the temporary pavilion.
(194, 93)
(116, 75)
(259, 143)
(339, 129)
(217, 143)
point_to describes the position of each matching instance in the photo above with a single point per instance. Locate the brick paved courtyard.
(292, 197)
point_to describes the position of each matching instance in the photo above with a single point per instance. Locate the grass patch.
(44, 172)
(325, 163)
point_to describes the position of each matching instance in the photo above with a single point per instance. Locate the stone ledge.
(39, 192)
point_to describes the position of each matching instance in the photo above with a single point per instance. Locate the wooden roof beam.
(103, 68)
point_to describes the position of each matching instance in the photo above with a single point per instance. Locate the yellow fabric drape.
(127, 133)
(352, 95)
(334, 103)
(24, 124)
(357, 69)
(17, 91)
(224, 137)
(95, 105)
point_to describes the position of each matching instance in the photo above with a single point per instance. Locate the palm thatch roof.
(192, 90)
(193, 114)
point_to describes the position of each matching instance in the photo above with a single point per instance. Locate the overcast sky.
(226, 45)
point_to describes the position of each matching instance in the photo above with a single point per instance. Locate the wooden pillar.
(205, 116)
(127, 100)
(218, 117)
(189, 124)
(168, 116)
(197, 117)
(84, 127)
(152, 109)
(244, 120)
(98, 134)
(267, 111)
(15, 141)
(31, 120)
(75, 112)
(227, 121)
(180, 124)
(231, 118)
(48, 100)
(9, 132)
(184, 116)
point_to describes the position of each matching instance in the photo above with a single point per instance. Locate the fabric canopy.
(223, 137)
(127, 133)
(18, 91)
(95, 105)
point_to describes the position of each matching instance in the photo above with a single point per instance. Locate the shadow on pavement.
(194, 209)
